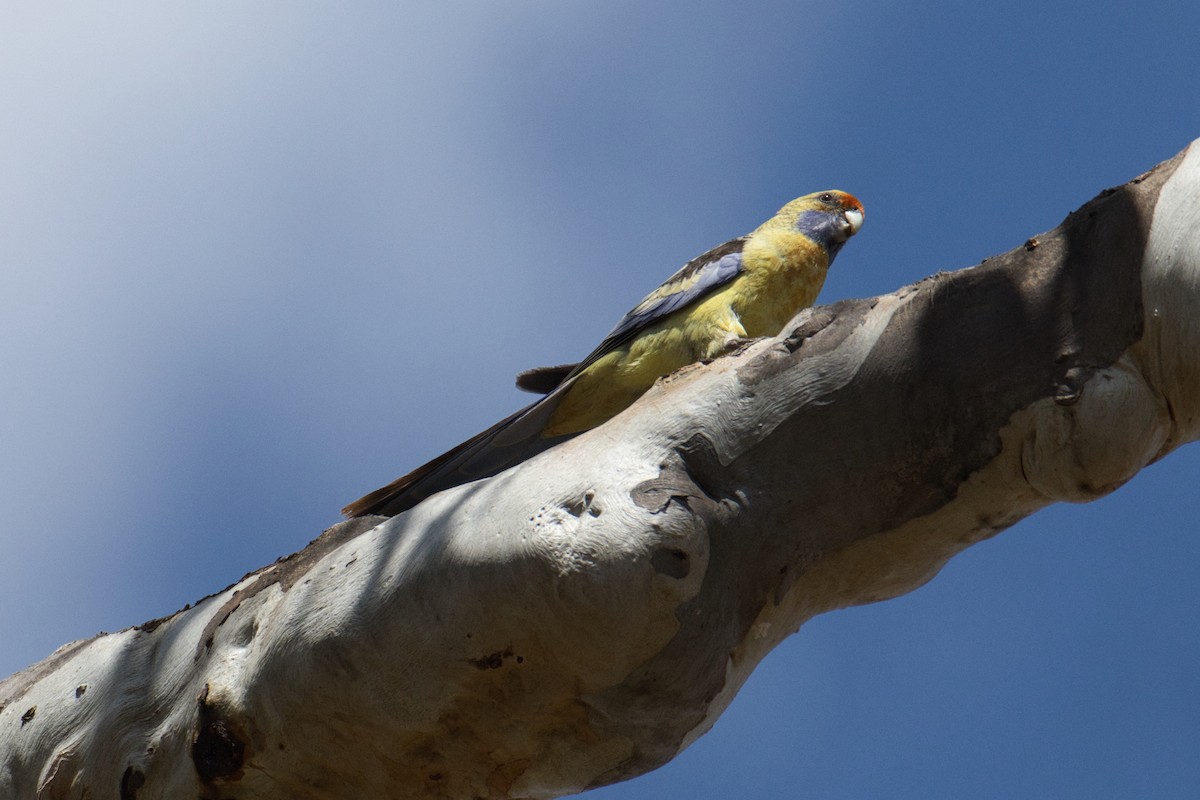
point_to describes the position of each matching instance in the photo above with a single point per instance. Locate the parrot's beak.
(852, 220)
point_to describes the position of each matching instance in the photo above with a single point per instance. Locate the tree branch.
(583, 617)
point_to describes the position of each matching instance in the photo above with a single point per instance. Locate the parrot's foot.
(733, 344)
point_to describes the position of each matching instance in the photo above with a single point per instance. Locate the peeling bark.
(583, 617)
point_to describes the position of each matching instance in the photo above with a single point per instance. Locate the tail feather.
(543, 380)
(505, 444)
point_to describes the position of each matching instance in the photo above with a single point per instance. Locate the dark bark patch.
(131, 780)
(672, 562)
(583, 505)
(670, 485)
(218, 748)
(493, 660)
(217, 751)
(694, 480)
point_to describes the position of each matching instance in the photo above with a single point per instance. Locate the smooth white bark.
(583, 617)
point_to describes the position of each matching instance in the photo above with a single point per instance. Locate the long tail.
(505, 444)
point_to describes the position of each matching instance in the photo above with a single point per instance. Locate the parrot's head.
(829, 218)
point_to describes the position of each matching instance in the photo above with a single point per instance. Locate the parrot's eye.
(826, 198)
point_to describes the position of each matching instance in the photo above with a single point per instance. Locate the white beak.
(855, 218)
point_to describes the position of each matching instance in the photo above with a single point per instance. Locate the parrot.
(747, 288)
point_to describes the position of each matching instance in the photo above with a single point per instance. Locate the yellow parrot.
(746, 288)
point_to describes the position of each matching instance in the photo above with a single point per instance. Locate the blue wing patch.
(696, 280)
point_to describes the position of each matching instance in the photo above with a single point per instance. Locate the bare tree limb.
(583, 617)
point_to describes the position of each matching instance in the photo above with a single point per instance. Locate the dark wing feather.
(510, 441)
(518, 437)
(695, 280)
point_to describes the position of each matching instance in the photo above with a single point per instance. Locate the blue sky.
(258, 258)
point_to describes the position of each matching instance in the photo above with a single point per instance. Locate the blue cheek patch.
(820, 226)
(816, 225)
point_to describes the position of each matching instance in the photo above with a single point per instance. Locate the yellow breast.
(784, 274)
